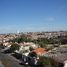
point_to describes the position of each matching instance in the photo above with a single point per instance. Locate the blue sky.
(33, 15)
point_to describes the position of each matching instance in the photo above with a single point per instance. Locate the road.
(9, 61)
(1, 65)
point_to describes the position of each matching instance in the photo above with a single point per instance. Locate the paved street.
(9, 61)
(1, 64)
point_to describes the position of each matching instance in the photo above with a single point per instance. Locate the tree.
(2, 46)
(31, 48)
(21, 39)
(32, 54)
(14, 47)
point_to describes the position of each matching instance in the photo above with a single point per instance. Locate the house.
(40, 51)
(64, 45)
(25, 47)
(7, 44)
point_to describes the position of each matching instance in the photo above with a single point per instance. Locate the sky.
(32, 15)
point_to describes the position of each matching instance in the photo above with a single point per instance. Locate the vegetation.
(14, 47)
(44, 62)
(21, 39)
(32, 54)
(31, 48)
(56, 40)
(42, 41)
(1, 46)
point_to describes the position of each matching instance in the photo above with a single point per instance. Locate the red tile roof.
(40, 51)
